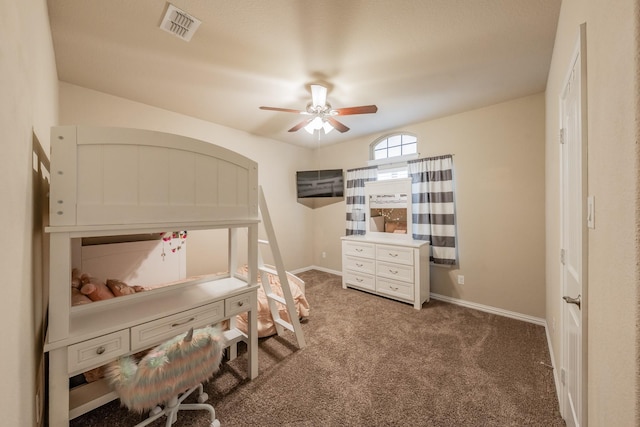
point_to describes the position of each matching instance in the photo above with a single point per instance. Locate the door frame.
(580, 53)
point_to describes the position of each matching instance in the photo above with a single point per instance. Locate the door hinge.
(563, 255)
(562, 135)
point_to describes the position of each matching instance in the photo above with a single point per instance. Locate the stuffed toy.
(119, 288)
(77, 297)
(94, 289)
(75, 279)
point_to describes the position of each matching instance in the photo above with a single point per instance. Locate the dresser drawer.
(360, 280)
(156, 331)
(366, 250)
(395, 254)
(237, 304)
(395, 271)
(363, 265)
(97, 351)
(395, 289)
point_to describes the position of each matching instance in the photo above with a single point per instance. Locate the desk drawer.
(97, 351)
(156, 331)
(363, 265)
(395, 271)
(395, 254)
(237, 304)
(395, 289)
(366, 250)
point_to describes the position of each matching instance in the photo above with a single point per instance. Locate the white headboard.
(113, 176)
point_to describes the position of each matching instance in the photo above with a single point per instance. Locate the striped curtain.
(433, 205)
(355, 198)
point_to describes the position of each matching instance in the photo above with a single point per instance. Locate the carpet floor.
(373, 361)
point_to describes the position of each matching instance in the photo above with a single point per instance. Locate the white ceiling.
(415, 59)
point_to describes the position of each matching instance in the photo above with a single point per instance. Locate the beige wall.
(612, 305)
(277, 164)
(28, 107)
(499, 171)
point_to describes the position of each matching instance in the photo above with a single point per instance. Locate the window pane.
(408, 139)
(381, 144)
(380, 154)
(395, 140)
(409, 148)
(395, 151)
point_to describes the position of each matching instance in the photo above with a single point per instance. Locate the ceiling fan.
(321, 115)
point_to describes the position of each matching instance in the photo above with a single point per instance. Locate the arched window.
(396, 145)
(391, 153)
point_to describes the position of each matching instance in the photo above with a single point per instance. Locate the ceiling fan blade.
(284, 110)
(300, 125)
(337, 125)
(364, 109)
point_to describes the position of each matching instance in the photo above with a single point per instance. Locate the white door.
(574, 239)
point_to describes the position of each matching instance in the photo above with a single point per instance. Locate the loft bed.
(118, 184)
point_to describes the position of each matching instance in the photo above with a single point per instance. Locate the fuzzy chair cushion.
(167, 370)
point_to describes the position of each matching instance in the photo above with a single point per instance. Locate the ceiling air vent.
(179, 23)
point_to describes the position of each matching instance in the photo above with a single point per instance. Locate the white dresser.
(389, 266)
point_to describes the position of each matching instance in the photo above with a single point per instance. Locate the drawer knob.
(358, 279)
(393, 271)
(240, 303)
(358, 249)
(392, 254)
(100, 350)
(358, 264)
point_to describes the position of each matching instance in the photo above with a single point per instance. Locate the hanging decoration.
(175, 240)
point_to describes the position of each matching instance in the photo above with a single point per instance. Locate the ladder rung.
(268, 270)
(284, 324)
(263, 242)
(276, 297)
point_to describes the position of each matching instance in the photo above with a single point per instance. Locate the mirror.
(389, 207)
(388, 213)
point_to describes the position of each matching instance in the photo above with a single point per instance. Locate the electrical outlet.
(324, 254)
(460, 279)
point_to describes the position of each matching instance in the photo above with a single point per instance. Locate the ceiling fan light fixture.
(318, 123)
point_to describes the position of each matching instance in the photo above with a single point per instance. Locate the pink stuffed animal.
(119, 288)
(94, 289)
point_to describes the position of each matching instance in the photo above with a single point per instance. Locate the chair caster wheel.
(203, 398)
(215, 423)
(155, 411)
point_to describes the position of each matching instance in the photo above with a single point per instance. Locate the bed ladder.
(281, 273)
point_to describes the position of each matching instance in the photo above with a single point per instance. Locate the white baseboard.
(463, 303)
(556, 378)
(315, 267)
(489, 309)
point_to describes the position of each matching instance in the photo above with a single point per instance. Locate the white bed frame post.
(252, 261)
(60, 272)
